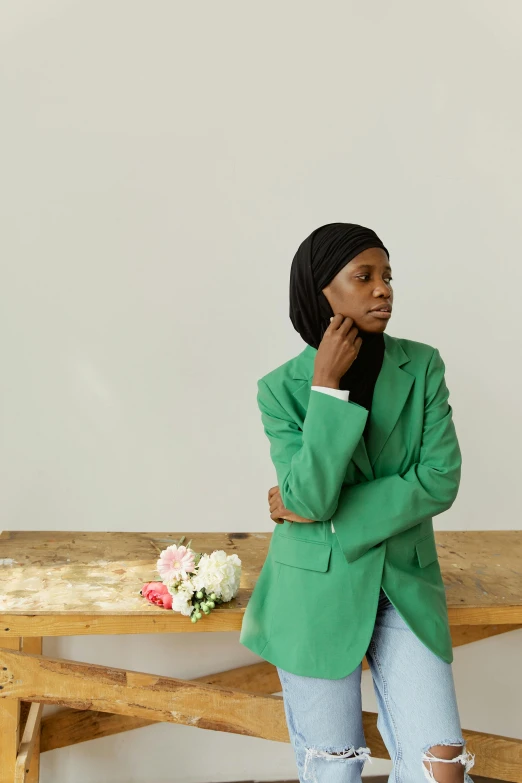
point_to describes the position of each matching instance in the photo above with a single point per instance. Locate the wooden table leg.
(9, 723)
(33, 645)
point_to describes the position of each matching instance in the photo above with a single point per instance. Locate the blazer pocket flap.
(426, 550)
(313, 555)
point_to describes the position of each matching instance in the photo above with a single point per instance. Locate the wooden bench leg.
(28, 744)
(9, 723)
(20, 753)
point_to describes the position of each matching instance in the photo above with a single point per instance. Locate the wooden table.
(65, 583)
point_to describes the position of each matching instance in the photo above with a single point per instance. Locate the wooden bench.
(66, 583)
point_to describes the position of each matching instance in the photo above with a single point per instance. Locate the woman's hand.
(278, 513)
(337, 351)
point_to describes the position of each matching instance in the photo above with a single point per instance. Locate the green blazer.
(373, 499)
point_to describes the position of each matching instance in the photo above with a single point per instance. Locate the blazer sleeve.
(371, 512)
(311, 462)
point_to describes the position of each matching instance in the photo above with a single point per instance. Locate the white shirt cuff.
(343, 394)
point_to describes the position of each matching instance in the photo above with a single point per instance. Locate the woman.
(365, 451)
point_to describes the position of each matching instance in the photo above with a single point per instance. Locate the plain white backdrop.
(161, 162)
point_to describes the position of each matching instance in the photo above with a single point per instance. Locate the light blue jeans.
(417, 710)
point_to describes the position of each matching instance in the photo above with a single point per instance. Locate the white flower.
(182, 597)
(218, 573)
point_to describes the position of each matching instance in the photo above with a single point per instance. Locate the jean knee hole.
(350, 754)
(465, 757)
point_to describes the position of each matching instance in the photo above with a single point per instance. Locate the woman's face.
(362, 285)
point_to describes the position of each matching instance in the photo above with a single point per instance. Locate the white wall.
(161, 162)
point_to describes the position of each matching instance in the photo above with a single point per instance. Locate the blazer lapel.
(389, 397)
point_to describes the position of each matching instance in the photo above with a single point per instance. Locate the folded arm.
(371, 512)
(311, 462)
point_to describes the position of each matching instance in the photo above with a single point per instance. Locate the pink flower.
(175, 562)
(157, 593)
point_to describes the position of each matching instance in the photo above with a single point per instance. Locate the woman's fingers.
(278, 513)
(277, 509)
(274, 498)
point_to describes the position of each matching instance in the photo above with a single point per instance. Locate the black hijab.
(318, 259)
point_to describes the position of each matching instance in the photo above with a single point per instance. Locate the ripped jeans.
(417, 710)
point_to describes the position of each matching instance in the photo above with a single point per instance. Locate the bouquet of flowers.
(193, 583)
